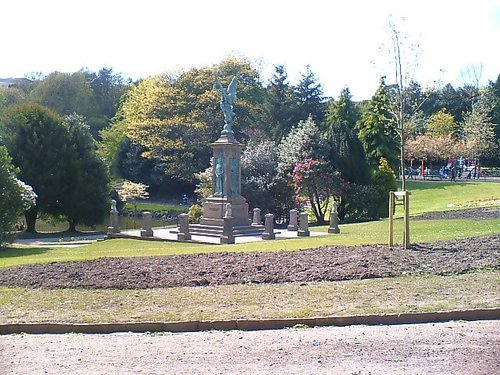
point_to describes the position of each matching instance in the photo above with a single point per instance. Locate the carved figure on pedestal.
(227, 98)
(219, 176)
(235, 177)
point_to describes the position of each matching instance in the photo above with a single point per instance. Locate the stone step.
(217, 231)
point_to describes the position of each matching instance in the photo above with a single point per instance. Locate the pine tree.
(346, 151)
(309, 98)
(281, 105)
(377, 130)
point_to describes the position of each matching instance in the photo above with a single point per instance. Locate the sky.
(345, 43)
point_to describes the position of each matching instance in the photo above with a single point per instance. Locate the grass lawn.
(259, 301)
(431, 196)
(159, 207)
(351, 234)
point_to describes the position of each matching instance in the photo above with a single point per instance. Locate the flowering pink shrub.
(318, 182)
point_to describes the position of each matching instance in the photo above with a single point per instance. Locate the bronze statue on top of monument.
(227, 98)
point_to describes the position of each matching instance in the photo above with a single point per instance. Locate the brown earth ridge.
(329, 263)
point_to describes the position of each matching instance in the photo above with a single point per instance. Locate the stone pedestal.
(215, 207)
(114, 226)
(269, 228)
(183, 234)
(226, 192)
(227, 231)
(226, 186)
(303, 225)
(334, 220)
(293, 226)
(147, 224)
(256, 217)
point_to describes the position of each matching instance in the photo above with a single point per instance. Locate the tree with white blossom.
(15, 197)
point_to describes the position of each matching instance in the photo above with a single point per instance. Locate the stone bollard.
(303, 225)
(334, 220)
(268, 233)
(256, 217)
(183, 234)
(113, 219)
(227, 230)
(147, 224)
(293, 221)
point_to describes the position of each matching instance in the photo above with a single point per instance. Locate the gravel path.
(442, 348)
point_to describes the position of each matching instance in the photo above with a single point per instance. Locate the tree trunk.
(30, 217)
(316, 207)
(72, 225)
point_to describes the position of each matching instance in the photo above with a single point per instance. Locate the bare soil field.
(321, 264)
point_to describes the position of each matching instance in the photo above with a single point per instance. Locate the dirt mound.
(321, 264)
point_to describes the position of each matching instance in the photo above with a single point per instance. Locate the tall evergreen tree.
(346, 151)
(281, 105)
(377, 130)
(309, 98)
(108, 88)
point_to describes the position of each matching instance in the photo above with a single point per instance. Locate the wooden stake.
(407, 220)
(391, 218)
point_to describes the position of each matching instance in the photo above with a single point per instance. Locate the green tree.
(346, 151)
(87, 198)
(40, 148)
(66, 93)
(478, 132)
(309, 98)
(112, 139)
(456, 101)
(150, 171)
(280, 104)
(108, 87)
(384, 181)
(377, 129)
(494, 87)
(11, 95)
(176, 117)
(442, 123)
(12, 203)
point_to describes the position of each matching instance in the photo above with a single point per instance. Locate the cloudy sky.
(344, 42)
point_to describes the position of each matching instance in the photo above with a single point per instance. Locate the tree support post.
(406, 204)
